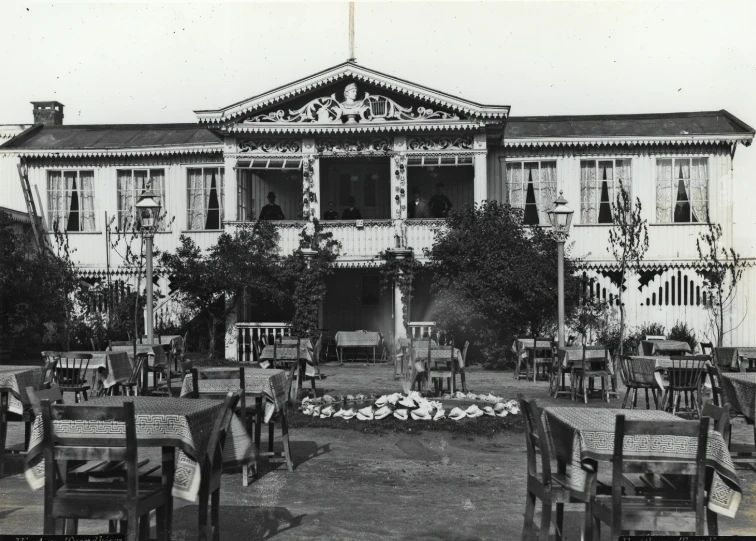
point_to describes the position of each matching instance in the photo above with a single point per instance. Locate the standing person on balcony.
(331, 213)
(351, 213)
(271, 211)
(440, 205)
(418, 208)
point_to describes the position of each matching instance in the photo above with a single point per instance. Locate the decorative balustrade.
(250, 334)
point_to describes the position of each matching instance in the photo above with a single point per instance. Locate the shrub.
(682, 333)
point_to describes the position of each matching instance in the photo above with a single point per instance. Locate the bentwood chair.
(683, 512)
(280, 417)
(74, 498)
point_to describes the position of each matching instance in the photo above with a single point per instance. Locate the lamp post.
(148, 213)
(561, 219)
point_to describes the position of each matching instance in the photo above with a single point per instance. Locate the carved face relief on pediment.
(348, 108)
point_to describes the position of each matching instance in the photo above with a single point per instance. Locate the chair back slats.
(707, 348)
(48, 372)
(685, 371)
(53, 395)
(214, 452)
(590, 363)
(715, 377)
(139, 361)
(72, 369)
(535, 438)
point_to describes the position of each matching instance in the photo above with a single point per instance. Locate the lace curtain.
(59, 198)
(200, 193)
(588, 193)
(86, 201)
(682, 187)
(663, 191)
(595, 205)
(126, 199)
(514, 181)
(61, 186)
(699, 189)
(543, 176)
(547, 191)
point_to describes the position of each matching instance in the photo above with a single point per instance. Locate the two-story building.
(364, 140)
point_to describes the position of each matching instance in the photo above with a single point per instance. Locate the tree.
(305, 276)
(36, 289)
(495, 278)
(722, 272)
(628, 243)
(211, 283)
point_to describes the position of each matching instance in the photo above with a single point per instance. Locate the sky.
(153, 63)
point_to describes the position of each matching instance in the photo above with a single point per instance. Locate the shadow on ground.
(239, 523)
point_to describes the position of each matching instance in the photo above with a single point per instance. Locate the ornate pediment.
(347, 98)
(350, 109)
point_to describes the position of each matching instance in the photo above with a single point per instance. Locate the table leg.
(3, 429)
(169, 467)
(259, 412)
(302, 368)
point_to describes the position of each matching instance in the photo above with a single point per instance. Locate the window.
(70, 200)
(131, 184)
(204, 198)
(682, 190)
(532, 187)
(599, 185)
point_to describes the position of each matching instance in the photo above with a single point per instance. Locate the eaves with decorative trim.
(272, 127)
(627, 141)
(656, 265)
(361, 73)
(99, 153)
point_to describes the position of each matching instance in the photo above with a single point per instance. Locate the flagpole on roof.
(351, 32)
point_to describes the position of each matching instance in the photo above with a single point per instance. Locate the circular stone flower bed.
(462, 413)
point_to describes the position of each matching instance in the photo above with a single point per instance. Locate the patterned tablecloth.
(348, 339)
(651, 369)
(524, 344)
(584, 437)
(270, 382)
(14, 380)
(178, 422)
(110, 367)
(740, 392)
(439, 353)
(664, 347)
(289, 353)
(726, 358)
(573, 354)
(155, 351)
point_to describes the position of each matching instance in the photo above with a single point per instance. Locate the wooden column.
(480, 182)
(230, 194)
(400, 146)
(309, 154)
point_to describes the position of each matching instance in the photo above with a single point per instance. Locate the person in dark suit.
(331, 213)
(351, 213)
(271, 211)
(418, 208)
(440, 205)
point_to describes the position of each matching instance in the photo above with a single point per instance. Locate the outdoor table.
(521, 346)
(13, 383)
(569, 355)
(106, 367)
(259, 383)
(170, 423)
(748, 354)
(288, 354)
(664, 347)
(356, 339)
(727, 358)
(740, 392)
(157, 356)
(651, 369)
(582, 439)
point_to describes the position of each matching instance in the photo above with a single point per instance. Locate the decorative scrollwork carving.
(275, 146)
(328, 110)
(440, 143)
(351, 146)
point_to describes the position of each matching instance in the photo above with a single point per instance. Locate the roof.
(714, 125)
(115, 138)
(352, 70)
(17, 215)
(11, 130)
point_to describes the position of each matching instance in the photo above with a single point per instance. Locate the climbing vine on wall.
(400, 271)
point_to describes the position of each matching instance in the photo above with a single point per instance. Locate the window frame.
(521, 162)
(596, 159)
(161, 195)
(222, 192)
(690, 158)
(78, 171)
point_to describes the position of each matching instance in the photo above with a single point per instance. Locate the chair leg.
(203, 503)
(285, 438)
(271, 435)
(527, 527)
(711, 519)
(559, 521)
(543, 533)
(144, 527)
(648, 404)
(215, 514)
(462, 379)
(635, 397)
(585, 389)
(627, 395)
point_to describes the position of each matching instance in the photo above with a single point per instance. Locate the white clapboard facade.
(351, 132)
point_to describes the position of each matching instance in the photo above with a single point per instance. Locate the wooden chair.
(707, 348)
(650, 513)
(588, 369)
(121, 343)
(45, 382)
(545, 485)
(520, 358)
(71, 375)
(36, 396)
(684, 378)
(96, 344)
(280, 417)
(462, 369)
(75, 499)
(635, 382)
(443, 370)
(715, 377)
(559, 374)
(172, 384)
(132, 386)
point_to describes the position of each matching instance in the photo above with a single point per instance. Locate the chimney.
(49, 113)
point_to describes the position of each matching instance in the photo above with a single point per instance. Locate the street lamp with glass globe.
(148, 214)
(561, 219)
